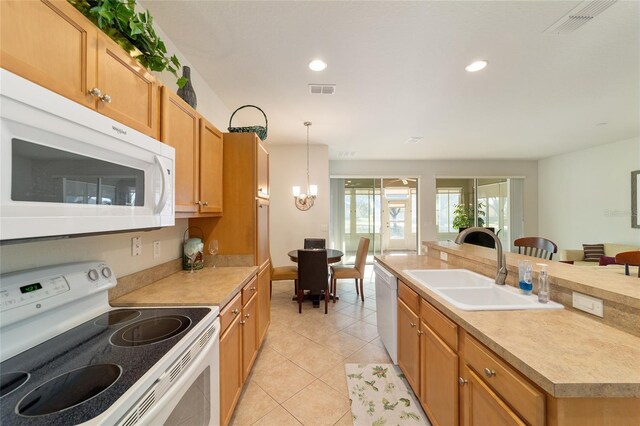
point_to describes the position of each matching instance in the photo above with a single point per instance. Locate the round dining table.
(333, 255)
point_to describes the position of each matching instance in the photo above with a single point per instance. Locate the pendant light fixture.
(304, 201)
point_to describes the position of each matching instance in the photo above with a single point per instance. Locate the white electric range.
(67, 357)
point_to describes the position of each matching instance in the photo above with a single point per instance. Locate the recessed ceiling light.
(476, 66)
(317, 65)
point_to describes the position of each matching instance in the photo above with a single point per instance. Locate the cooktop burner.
(152, 330)
(119, 316)
(69, 389)
(12, 381)
(77, 375)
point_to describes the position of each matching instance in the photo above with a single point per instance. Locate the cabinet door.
(480, 406)
(438, 378)
(210, 168)
(131, 88)
(50, 43)
(249, 335)
(409, 345)
(262, 232)
(230, 369)
(264, 302)
(263, 170)
(180, 130)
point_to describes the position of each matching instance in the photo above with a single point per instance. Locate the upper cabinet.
(263, 169)
(198, 145)
(52, 44)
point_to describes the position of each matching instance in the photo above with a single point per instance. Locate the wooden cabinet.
(52, 44)
(231, 378)
(243, 230)
(199, 151)
(250, 344)
(481, 406)
(409, 344)
(264, 302)
(514, 390)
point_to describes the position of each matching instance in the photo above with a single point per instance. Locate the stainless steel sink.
(470, 291)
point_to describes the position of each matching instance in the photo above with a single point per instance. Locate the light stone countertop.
(207, 286)
(565, 353)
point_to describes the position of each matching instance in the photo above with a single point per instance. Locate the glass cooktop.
(78, 374)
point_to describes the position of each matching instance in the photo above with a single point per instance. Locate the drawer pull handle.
(489, 372)
(235, 312)
(412, 324)
(462, 381)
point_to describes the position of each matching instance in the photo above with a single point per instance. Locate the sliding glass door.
(381, 209)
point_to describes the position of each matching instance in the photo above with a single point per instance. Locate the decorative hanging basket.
(259, 130)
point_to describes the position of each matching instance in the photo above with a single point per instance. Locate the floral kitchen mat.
(380, 395)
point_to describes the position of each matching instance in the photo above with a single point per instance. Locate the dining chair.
(536, 247)
(627, 258)
(480, 238)
(313, 275)
(314, 243)
(283, 273)
(355, 272)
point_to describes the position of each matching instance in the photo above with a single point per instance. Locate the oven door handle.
(164, 173)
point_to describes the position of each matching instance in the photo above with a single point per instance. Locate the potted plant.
(463, 216)
(133, 31)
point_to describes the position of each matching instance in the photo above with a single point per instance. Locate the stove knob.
(93, 275)
(106, 272)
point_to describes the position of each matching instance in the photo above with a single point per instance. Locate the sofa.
(610, 250)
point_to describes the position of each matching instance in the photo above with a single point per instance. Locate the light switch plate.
(156, 249)
(443, 256)
(588, 304)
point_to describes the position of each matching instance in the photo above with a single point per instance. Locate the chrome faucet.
(501, 275)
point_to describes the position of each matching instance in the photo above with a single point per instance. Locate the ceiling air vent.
(322, 89)
(579, 15)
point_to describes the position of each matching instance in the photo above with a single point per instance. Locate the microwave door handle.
(165, 178)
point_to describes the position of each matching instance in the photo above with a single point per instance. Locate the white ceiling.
(399, 70)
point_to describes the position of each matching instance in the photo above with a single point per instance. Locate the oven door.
(65, 169)
(194, 399)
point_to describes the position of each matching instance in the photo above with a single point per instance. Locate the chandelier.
(304, 201)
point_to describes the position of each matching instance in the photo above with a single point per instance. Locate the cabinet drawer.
(443, 326)
(528, 401)
(249, 290)
(409, 297)
(230, 311)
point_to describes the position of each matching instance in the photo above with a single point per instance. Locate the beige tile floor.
(298, 377)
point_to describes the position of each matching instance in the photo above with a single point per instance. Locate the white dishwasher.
(387, 309)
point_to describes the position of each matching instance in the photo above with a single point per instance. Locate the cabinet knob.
(462, 381)
(420, 332)
(243, 322)
(253, 289)
(247, 315)
(206, 203)
(105, 98)
(412, 324)
(489, 372)
(95, 92)
(235, 312)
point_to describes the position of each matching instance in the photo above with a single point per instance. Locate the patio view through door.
(381, 209)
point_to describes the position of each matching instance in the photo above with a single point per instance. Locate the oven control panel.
(24, 293)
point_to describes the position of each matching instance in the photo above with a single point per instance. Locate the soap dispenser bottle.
(543, 284)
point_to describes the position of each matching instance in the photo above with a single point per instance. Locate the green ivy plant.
(132, 31)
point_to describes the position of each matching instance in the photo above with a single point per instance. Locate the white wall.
(585, 196)
(288, 225)
(428, 170)
(116, 248)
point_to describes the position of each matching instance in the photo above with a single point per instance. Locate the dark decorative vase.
(187, 93)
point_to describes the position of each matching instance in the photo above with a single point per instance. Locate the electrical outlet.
(156, 249)
(136, 246)
(443, 256)
(588, 304)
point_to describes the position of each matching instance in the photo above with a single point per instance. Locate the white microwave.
(66, 169)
